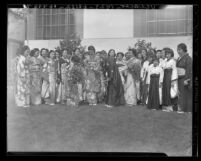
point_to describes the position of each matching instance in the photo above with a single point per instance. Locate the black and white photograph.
(100, 80)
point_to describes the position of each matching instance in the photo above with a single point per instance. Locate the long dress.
(64, 64)
(155, 77)
(52, 73)
(134, 68)
(144, 85)
(44, 79)
(121, 66)
(115, 89)
(35, 81)
(93, 82)
(170, 77)
(185, 91)
(74, 77)
(22, 96)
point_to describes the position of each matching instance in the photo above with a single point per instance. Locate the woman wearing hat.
(169, 80)
(184, 68)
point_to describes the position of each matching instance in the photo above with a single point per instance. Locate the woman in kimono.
(22, 96)
(184, 68)
(169, 80)
(93, 83)
(35, 78)
(74, 77)
(43, 58)
(64, 67)
(58, 79)
(52, 75)
(100, 78)
(115, 89)
(132, 81)
(121, 65)
(154, 81)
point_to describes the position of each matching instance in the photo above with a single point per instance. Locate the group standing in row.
(152, 78)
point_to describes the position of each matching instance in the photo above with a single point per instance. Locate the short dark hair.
(92, 48)
(23, 49)
(182, 46)
(120, 53)
(134, 51)
(110, 51)
(32, 53)
(169, 51)
(75, 59)
(50, 52)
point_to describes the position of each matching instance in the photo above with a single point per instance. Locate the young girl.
(52, 73)
(169, 80)
(155, 79)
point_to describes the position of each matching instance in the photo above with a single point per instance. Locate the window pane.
(171, 27)
(161, 14)
(182, 26)
(71, 19)
(62, 19)
(55, 19)
(151, 28)
(39, 20)
(48, 20)
(39, 32)
(189, 26)
(54, 11)
(171, 14)
(48, 11)
(48, 33)
(151, 15)
(39, 11)
(161, 27)
(182, 13)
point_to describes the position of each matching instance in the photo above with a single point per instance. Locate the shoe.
(109, 106)
(25, 106)
(180, 112)
(51, 104)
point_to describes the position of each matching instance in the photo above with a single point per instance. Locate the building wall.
(121, 44)
(31, 23)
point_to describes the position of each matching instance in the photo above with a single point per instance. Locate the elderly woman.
(22, 96)
(184, 68)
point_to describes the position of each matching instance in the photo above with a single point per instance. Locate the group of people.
(138, 77)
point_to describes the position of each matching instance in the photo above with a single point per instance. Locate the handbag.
(181, 71)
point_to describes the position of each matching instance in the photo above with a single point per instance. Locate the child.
(155, 79)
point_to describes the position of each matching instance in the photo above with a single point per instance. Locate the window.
(164, 22)
(53, 23)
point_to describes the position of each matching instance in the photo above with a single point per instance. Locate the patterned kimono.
(22, 95)
(134, 68)
(74, 77)
(170, 77)
(64, 67)
(184, 67)
(44, 78)
(93, 81)
(35, 81)
(52, 75)
(155, 77)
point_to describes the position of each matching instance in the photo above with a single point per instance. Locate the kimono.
(134, 67)
(144, 86)
(170, 78)
(63, 67)
(74, 77)
(52, 75)
(22, 95)
(184, 67)
(121, 66)
(155, 77)
(44, 78)
(115, 89)
(93, 81)
(35, 81)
